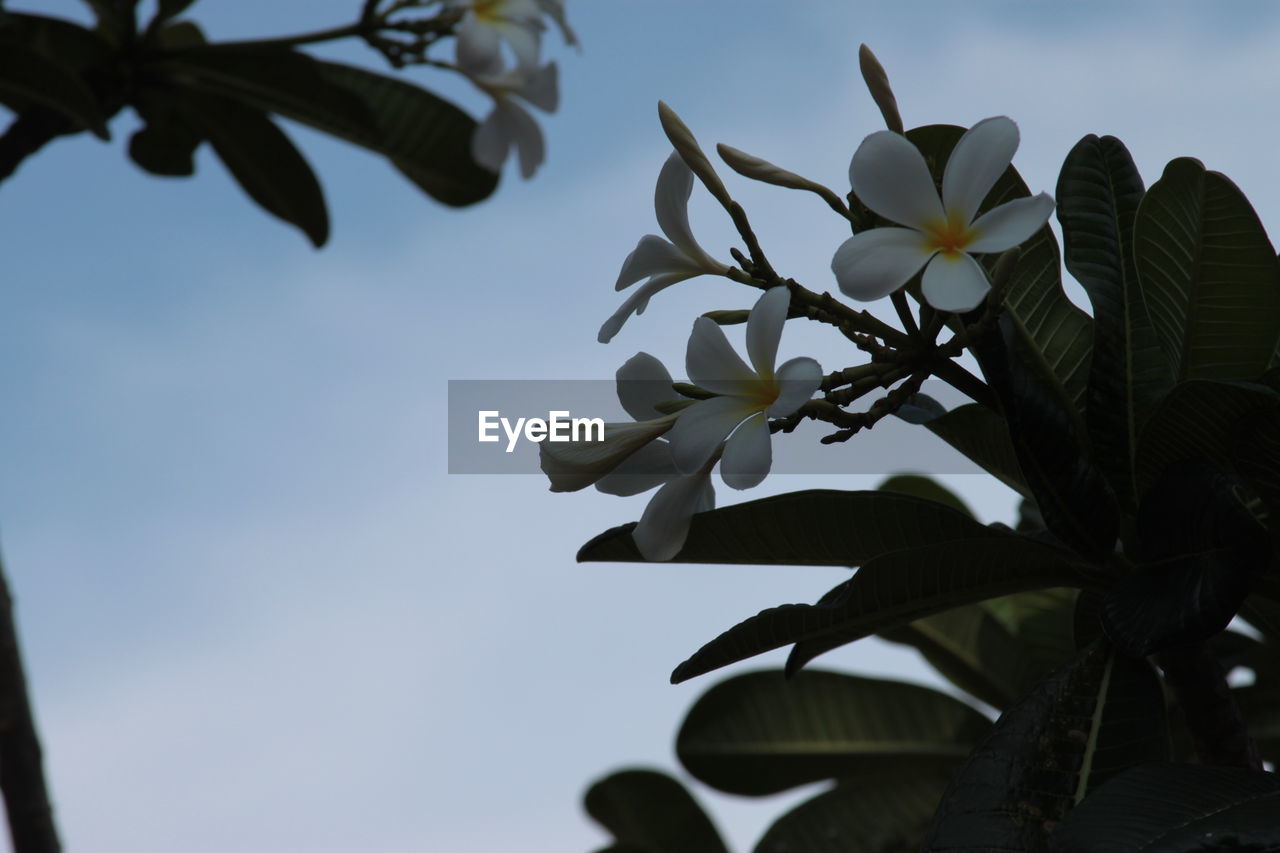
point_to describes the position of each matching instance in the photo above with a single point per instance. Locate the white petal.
(671, 204)
(636, 302)
(648, 467)
(523, 38)
(954, 283)
(652, 256)
(490, 143)
(526, 135)
(478, 46)
(976, 163)
(541, 88)
(573, 465)
(665, 524)
(1011, 223)
(873, 264)
(700, 428)
(714, 365)
(797, 379)
(643, 382)
(707, 498)
(555, 10)
(888, 174)
(748, 454)
(764, 329)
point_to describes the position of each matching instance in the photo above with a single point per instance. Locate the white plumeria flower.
(486, 24)
(662, 262)
(664, 526)
(747, 397)
(643, 384)
(510, 124)
(890, 176)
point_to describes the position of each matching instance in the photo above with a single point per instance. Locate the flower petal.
(764, 329)
(748, 454)
(490, 142)
(671, 205)
(976, 163)
(1011, 223)
(954, 283)
(643, 382)
(714, 365)
(523, 36)
(665, 523)
(700, 428)
(526, 135)
(479, 46)
(541, 88)
(797, 379)
(648, 467)
(554, 9)
(574, 465)
(888, 174)
(635, 303)
(652, 256)
(873, 264)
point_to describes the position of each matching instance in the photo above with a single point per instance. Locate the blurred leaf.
(983, 436)
(1093, 718)
(889, 590)
(182, 34)
(69, 44)
(167, 9)
(925, 488)
(761, 733)
(1264, 615)
(1061, 331)
(819, 527)
(1209, 274)
(1176, 808)
(1260, 706)
(27, 76)
(650, 811)
(166, 143)
(890, 815)
(1098, 193)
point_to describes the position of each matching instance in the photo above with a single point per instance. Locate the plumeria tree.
(1144, 439)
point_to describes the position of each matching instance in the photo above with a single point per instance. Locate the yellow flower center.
(950, 236)
(487, 10)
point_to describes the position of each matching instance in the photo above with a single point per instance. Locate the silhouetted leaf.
(925, 488)
(1098, 193)
(890, 815)
(820, 527)
(166, 143)
(889, 590)
(650, 811)
(1176, 808)
(27, 76)
(761, 733)
(1093, 718)
(1209, 274)
(983, 436)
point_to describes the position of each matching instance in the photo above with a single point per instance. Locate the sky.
(257, 612)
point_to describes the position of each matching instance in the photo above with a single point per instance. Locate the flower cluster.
(929, 233)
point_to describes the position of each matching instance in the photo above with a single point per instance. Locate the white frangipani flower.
(747, 397)
(486, 24)
(888, 173)
(665, 523)
(643, 383)
(510, 124)
(662, 262)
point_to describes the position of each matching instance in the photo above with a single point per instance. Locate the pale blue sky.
(259, 615)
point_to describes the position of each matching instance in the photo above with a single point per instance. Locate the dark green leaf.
(1093, 718)
(762, 733)
(166, 144)
(69, 44)
(27, 76)
(1209, 274)
(819, 527)
(983, 436)
(1177, 808)
(889, 590)
(1098, 194)
(168, 9)
(890, 815)
(925, 488)
(647, 810)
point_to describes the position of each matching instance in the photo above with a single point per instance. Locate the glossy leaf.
(1176, 808)
(1093, 718)
(890, 590)
(27, 76)
(761, 733)
(1209, 274)
(649, 811)
(1098, 193)
(983, 436)
(891, 814)
(819, 527)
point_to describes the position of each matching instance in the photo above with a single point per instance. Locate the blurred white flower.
(888, 173)
(486, 24)
(746, 399)
(510, 124)
(662, 262)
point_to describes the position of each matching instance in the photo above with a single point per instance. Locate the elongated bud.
(762, 170)
(878, 84)
(728, 318)
(687, 147)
